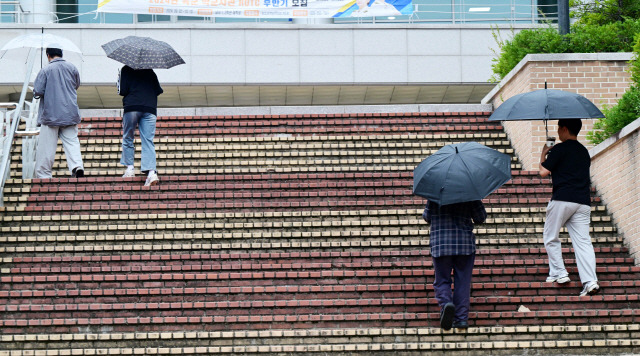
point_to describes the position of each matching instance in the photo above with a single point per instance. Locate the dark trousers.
(462, 267)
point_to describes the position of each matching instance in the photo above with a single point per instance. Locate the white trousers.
(576, 218)
(47, 144)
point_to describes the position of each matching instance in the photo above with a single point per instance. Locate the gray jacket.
(56, 84)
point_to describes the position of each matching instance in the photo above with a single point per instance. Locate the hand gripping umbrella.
(546, 104)
(461, 172)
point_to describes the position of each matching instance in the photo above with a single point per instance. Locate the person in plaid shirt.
(453, 248)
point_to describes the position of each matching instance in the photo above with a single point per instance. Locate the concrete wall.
(615, 168)
(298, 110)
(248, 54)
(600, 77)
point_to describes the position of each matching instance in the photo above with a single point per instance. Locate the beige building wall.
(600, 77)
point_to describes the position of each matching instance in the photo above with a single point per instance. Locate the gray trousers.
(576, 218)
(47, 144)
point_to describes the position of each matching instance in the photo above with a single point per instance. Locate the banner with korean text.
(261, 8)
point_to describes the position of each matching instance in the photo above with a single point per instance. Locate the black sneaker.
(446, 316)
(77, 173)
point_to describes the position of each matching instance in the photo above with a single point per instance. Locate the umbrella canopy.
(42, 41)
(461, 172)
(546, 104)
(142, 53)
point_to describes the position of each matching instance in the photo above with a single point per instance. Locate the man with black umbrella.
(140, 89)
(568, 164)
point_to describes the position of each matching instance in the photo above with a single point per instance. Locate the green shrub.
(625, 112)
(613, 37)
(583, 38)
(634, 64)
(538, 40)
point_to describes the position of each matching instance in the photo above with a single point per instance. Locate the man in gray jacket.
(56, 85)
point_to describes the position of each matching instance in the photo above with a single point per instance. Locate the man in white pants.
(56, 85)
(568, 164)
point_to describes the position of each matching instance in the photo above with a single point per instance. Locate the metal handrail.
(17, 12)
(5, 163)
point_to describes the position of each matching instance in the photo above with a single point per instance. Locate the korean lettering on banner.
(299, 3)
(276, 3)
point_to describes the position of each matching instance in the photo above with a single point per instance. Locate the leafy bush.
(634, 64)
(538, 40)
(625, 112)
(583, 38)
(613, 37)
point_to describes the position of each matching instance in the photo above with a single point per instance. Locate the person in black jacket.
(140, 89)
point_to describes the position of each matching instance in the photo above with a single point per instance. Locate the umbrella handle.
(546, 129)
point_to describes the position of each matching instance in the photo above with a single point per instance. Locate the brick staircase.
(288, 235)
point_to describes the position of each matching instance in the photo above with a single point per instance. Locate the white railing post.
(30, 140)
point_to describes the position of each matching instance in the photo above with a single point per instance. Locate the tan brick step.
(278, 229)
(178, 139)
(110, 148)
(95, 167)
(235, 152)
(603, 339)
(495, 216)
(145, 244)
(312, 320)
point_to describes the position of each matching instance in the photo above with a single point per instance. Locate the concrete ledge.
(549, 57)
(604, 145)
(293, 110)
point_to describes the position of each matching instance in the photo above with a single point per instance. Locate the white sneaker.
(129, 173)
(590, 288)
(560, 280)
(152, 179)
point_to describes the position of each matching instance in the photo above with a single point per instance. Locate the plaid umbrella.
(142, 53)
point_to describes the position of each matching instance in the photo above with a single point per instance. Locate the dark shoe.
(77, 173)
(446, 316)
(461, 324)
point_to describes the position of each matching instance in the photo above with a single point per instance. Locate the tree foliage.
(605, 11)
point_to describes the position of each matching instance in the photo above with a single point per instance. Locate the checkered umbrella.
(142, 53)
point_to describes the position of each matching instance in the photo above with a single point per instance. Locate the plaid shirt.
(452, 227)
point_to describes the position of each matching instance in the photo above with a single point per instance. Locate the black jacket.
(140, 89)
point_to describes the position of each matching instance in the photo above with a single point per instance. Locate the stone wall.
(600, 77)
(615, 168)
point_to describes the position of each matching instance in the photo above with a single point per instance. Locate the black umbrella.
(461, 172)
(546, 104)
(142, 53)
